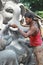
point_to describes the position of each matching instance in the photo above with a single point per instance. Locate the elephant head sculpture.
(11, 13)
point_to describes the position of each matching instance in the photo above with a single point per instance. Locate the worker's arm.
(29, 33)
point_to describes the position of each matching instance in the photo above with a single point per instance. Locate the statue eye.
(9, 10)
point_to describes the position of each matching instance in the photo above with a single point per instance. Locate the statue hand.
(13, 25)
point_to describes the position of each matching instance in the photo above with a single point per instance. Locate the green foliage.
(23, 1)
(40, 13)
(26, 4)
(37, 5)
(34, 4)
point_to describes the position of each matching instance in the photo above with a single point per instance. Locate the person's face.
(28, 20)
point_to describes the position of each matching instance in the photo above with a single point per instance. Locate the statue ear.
(22, 9)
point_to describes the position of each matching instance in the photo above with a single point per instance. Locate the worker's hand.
(14, 26)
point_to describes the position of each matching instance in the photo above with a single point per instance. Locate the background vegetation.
(34, 5)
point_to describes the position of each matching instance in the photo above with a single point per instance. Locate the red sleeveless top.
(36, 40)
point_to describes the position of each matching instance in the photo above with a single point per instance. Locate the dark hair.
(29, 15)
